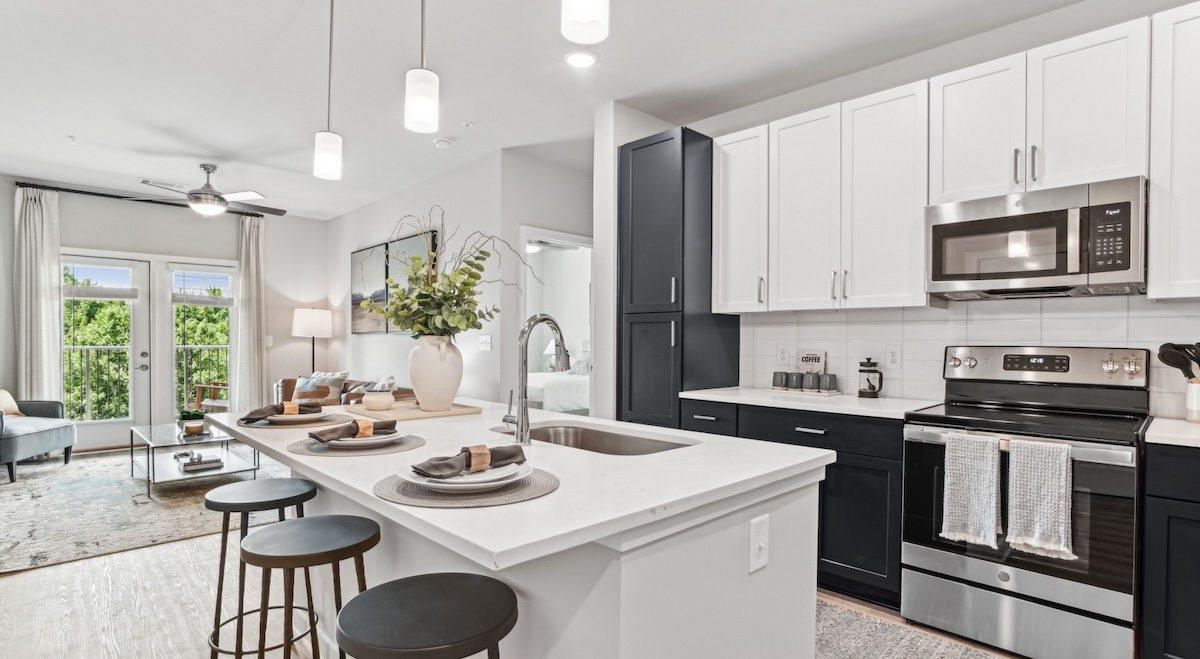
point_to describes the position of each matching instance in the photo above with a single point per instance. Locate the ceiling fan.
(207, 201)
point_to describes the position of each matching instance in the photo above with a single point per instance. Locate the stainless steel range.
(1097, 401)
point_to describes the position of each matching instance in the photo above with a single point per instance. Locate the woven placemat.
(333, 419)
(313, 447)
(398, 490)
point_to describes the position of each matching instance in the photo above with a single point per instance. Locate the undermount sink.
(596, 440)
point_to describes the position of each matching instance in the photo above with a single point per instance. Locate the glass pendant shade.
(207, 201)
(421, 101)
(585, 21)
(327, 156)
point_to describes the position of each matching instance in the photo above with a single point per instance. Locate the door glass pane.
(202, 342)
(96, 345)
(1021, 250)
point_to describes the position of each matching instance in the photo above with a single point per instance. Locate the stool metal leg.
(300, 509)
(312, 617)
(263, 614)
(289, 586)
(494, 652)
(245, 525)
(361, 572)
(337, 598)
(237, 648)
(282, 514)
(220, 585)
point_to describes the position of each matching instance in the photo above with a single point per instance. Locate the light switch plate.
(485, 343)
(760, 541)
(268, 341)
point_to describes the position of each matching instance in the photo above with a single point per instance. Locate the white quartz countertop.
(1174, 431)
(884, 408)
(599, 496)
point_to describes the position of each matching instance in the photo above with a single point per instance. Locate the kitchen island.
(632, 557)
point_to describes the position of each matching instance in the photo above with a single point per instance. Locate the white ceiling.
(152, 89)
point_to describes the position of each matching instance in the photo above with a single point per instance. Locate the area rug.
(55, 513)
(844, 633)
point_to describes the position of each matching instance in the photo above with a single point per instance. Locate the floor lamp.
(313, 324)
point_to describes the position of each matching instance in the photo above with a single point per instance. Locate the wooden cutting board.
(410, 411)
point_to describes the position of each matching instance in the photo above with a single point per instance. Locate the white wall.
(564, 292)
(8, 328)
(616, 124)
(848, 337)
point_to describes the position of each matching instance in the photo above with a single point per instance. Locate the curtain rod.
(106, 195)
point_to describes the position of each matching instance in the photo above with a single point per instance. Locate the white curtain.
(37, 291)
(250, 386)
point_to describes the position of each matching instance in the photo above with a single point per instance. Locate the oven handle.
(1120, 456)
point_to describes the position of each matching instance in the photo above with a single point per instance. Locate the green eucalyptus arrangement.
(432, 301)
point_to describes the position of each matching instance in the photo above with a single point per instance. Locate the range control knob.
(1109, 365)
(1132, 367)
(955, 362)
(971, 362)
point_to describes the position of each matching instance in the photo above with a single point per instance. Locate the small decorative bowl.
(378, 401)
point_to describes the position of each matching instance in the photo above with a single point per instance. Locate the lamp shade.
(549, 348)
(327, 156)
(312, 323)
(421, 88)
(585, 21)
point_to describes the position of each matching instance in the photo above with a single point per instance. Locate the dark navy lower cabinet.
(1171, 555)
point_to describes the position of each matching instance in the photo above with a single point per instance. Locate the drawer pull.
(810, 431)
(703, 417)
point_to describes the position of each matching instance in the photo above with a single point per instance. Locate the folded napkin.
(1039, 498)
(472, 458)
(971, 497)
(363, 429)
(272, 410)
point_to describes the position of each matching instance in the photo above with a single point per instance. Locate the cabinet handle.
(810, 431)
(760, 287)
(1016, 166)
(672, 334)
(845, 276)
(672, 290)
(833, 285)
(1033, 162)
(703, 417)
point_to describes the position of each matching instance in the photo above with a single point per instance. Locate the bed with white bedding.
(560, 391)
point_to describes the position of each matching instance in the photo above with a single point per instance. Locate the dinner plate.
(297, 418)
(351, 443)
(440, 485)
(485, 476)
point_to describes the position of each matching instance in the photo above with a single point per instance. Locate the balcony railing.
(96, 382)
(198, 365)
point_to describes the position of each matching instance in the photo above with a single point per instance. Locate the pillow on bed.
(580, 367)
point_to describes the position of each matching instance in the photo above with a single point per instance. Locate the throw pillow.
(8, 405)
(580, 367)
(319, 394)
(306, 385)
(386, 384)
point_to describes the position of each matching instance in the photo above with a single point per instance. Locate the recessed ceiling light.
(442, 143)
(71, 139)
(581, 60)
(531, 248)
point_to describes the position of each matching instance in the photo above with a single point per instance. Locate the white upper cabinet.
(884, 192)
(805, 211)
(977, 131)
(1087, 107)
(1174, 220)
(740, 222)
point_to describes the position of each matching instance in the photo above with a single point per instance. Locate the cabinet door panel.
(884, 190)
(1088, 105)
(1171, 598)
(860, 520)
(805, 211)
(651, 373)
(1174, 269)
(977, 131)
(740, 222)
(651, 224)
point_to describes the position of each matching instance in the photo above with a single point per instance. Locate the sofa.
(41, 430)
(285, 389)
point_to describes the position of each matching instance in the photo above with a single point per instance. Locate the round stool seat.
(430, 616)
(256, 495)
(310, 541)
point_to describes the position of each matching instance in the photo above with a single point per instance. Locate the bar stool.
(429, 616)
(247, 497)
(305, 543)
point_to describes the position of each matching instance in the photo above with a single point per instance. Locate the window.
(96, 341)
(202, 301)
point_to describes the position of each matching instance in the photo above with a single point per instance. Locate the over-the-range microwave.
(1072, 241)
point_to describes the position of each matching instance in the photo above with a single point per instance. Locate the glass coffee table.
(152, 450)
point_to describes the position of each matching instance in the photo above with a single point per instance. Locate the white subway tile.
(1164, 329)
(1003, 309)
(1167, 406)
(928, 350)
(775, 332)
(821, 316)
(953, 311)
(1165, 379)
(1141, 306)
(857, 351)
(1005, 332)
(930, 390)
(1074, 331)
(1104, 306)
(874, 315)
(821, 331)
(949, 331)
(923, 370)
(881, 331)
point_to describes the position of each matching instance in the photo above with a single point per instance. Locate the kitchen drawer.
(1171, 472)
(844, 433)
(705, 416)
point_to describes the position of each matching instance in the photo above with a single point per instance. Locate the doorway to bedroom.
(559, 283)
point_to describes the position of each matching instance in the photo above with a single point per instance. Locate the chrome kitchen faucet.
(562, 362)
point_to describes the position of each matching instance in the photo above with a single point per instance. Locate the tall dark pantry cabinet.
(669, 340)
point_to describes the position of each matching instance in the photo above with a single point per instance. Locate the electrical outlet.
(268, 341)
(782, 354)
(760, 542)
(485, 343)
(893, 357)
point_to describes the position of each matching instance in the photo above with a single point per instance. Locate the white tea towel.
(1039, 498)
(971, 496)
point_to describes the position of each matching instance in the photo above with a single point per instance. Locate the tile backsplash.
(848, 337)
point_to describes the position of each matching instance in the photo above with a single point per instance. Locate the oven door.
(1103, 525)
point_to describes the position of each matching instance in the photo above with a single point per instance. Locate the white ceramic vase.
(435, 369)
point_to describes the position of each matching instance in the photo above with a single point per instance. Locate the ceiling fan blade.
(251, 208)
(164, 185)
(244, 195)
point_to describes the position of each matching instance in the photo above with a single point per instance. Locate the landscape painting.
(400, 251)
(368, 280)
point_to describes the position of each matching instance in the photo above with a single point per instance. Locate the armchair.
(42, 430)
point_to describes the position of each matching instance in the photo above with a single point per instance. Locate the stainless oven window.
(1029, 250)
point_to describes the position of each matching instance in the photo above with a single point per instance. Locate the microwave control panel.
(1108, 237)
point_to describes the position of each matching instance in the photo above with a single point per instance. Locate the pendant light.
(421, 93)
(327, 147)
(585, 21)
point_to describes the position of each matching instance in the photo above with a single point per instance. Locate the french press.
(870, 379)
